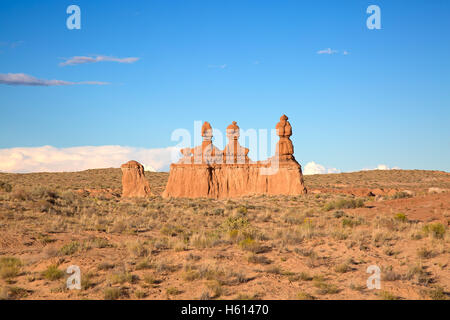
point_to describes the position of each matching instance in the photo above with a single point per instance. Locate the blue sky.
(385, 102)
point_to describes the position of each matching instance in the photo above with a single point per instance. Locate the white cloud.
(17, 79)
(51, 159)
(327, 51)
(315, 168)
(381, 167)
(94, 59)
(345, 53)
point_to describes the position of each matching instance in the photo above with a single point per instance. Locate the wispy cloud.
(327, 51)
(94, 59)
(345, 53)
(21, 79)
(220, 66)
(52, 159)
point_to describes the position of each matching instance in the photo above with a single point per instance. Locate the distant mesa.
(134, 184)
(206, 171)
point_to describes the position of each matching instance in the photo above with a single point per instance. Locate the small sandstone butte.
(134, 184)
(205, 171)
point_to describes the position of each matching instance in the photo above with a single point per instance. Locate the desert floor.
(316, 246)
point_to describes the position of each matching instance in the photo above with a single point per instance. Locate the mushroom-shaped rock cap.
(132, 164)
(233, 126)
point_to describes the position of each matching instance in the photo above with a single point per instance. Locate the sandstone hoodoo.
(206, 171)
(134, 184)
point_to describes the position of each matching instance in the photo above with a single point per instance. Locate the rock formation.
(205, 171)
(134, 183)
(234, 152)
(285, 149)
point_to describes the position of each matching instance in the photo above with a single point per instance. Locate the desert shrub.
(248, 244)
(41, 192)
(307, 229)
(235, 223)
(137, 249)
(418, 273)
(437, 230)
(99, 243)
(70, 248)
(112, 293)
(401, 195)
(293, 218)
(190, 275)
(425, 253)
(218, 212)
(342, 268)
(20, 195)
(171, 230)
(172, 291)
(338, 214)
(350, 222)
(204, 240)
(344, 204)
(258, 259)
(388, 274)
(324, 287)
(150, 279)
(242, 210)
(215, 288)
(140, 294)
(13, 293)
(9, 267)
(385, 295)
(52, 273)
(86, 281)
(437, 293)
(305, 296)
(43, 205)
(121, 278)
(105, 266)
(143, 264)
(6, 187)
(401, 217)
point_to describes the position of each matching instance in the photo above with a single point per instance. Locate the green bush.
(437, 230)
(401, 217)
(52, 273)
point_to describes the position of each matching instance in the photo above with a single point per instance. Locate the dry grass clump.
(10, 267)
(344, 204)
(52, 273)
(436, 230)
